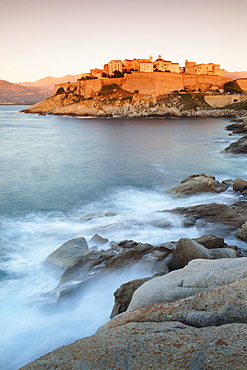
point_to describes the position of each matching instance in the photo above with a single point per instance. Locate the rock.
(199, 183)
(242, 232)
(186, 251)
(211, 241)
(221, 305)
(91, 216)
(98, 240)
(121, 255)
(153, 345)
(199, 276)
(124, 294)
(223, 253)
(68, 253)
(240, 185)
(237, 147)
(231, 217)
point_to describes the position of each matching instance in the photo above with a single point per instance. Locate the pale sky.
(40, 38)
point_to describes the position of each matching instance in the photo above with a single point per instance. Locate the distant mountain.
(18, 93)
(236, 74)
(48, 83)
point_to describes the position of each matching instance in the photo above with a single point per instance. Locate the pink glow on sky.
(60, 37)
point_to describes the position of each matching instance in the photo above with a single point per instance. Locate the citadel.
(152, 78)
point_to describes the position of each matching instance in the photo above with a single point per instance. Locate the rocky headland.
(113, 101)
(190, 310)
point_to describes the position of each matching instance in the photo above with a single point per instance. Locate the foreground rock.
(188, 250)
(68, 253)
(123, 295)
(199, 183)
(152, 345)
(199, 276)
(122, 255)
(203, 331)
(222, 305)
(154, 260)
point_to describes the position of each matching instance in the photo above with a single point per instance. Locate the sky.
(60, 37)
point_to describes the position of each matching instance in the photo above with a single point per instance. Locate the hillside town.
(119, 68)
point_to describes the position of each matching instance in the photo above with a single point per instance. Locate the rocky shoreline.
(117, 103)
(189, 312)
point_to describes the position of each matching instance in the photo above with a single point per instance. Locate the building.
(203, 69)
(115, 65)
(96, 72)
(166, 65)
(145, 65)
(139, 65)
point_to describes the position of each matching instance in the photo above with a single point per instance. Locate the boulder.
(221, 305)
(199, 276)
(69, 252)
(124, 294)
(242, 232)
(121, 255)
(186, 251)
(240, 185)
(223, 253)
(153, 345)
(237, 147)
(232, 217)
(199, 183)
(211, 241)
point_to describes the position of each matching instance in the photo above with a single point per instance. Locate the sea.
(63, 177)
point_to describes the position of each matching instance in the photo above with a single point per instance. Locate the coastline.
(216, 318)
(114, 102)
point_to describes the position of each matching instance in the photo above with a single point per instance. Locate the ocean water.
(57, 170)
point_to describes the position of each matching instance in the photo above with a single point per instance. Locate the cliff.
(114, 101)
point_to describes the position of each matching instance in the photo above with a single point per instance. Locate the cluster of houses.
(158, 65)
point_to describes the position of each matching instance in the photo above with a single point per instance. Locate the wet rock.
(240, 185)
(124, 294)
(91, 216)
(122, 255)
(98, 240)
(223, 253)
(242, 232)
(68, 253)
(231, 217)
(237, 147)
(199, 183)
(211, 241)
(199, 276)
(186, 251)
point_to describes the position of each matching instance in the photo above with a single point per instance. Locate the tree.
(117, 74)
(232, 87)
(60, 90)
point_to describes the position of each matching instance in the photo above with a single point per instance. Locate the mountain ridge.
(17, 93)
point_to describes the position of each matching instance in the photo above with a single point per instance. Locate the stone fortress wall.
(150, 83)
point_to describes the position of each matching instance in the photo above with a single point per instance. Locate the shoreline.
(114, 102)
(216, 312)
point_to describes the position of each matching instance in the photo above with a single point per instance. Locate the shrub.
(232, 87)
(108, 89)
(125, 98)
(60, 90)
